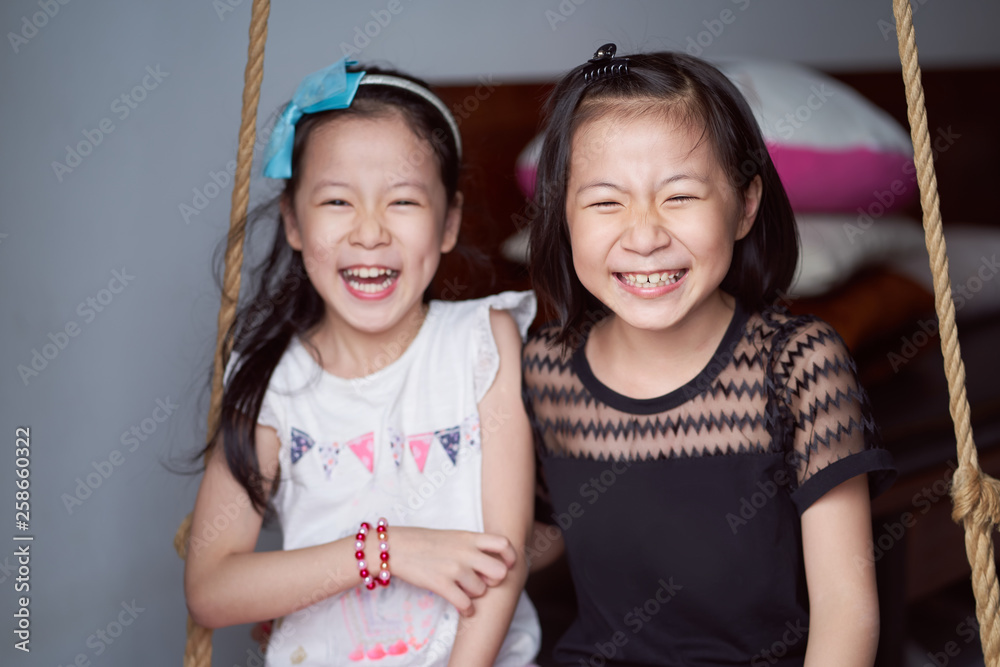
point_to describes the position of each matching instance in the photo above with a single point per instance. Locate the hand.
(458, 565)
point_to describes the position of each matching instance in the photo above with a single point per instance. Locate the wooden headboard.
(497, 124)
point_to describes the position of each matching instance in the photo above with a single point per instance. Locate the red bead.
(371, 585)
(360, 555)
(364, 524)
(384, 555)
(360, 536)
(364, 573)
(384, 582)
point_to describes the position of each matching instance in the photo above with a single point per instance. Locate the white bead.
(382, 522)
(362, 565)
(384, 546)
(368, 580)
(383, 575)
(363, 530)
(359, 546)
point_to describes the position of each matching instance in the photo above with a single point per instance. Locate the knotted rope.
(976, 495)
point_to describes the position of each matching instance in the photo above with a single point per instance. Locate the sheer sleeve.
(830, 434)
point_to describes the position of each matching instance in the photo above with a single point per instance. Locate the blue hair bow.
(332, 87)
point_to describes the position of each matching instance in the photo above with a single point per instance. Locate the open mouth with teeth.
(651, 280)
(370, 281)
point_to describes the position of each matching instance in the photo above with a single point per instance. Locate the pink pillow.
(834, 150)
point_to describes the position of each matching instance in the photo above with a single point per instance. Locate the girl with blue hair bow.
(352, 407)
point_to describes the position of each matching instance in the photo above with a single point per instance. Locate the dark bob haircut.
(763, 261)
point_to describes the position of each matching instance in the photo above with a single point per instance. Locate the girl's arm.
(840, 576)
(508, 494)
(226, 582)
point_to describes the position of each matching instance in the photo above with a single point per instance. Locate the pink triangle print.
(420, 445)
(364, 448)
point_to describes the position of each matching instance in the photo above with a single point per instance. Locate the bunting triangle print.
(470, 431)
(364, 448)
(328, 456)
(420, 446)
(301, 443)
(449, 439)
(395, 445)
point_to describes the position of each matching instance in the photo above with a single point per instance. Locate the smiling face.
(652, 218)
(371, 218)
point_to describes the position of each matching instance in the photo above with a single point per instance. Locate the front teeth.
(369, 272)
(652, 279)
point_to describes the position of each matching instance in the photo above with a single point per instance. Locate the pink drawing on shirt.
(399, 648)
(420, 445)
(357, 654)
(363, 447)
(376, 653)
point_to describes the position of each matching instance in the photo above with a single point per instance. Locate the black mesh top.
(681, 513)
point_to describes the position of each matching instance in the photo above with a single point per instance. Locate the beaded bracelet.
(383, 545)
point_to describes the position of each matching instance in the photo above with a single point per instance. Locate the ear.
(751, 204)
(452, 223)
(292, 233)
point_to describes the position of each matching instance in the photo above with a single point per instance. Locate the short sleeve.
(521, 306)
(269, 411)
(831, 436)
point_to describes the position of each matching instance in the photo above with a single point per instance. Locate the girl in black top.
(708, 457)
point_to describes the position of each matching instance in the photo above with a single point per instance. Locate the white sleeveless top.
(402, 443)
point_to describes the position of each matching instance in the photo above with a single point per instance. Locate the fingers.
(492, 570)
(471, 583)
(458, 598)
(499, 546)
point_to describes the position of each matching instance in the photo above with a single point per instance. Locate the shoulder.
(792, 339)
(543, 356)
(518, 307)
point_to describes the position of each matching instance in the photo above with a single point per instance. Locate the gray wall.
(64, 235)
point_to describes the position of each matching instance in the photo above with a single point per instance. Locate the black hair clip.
(604, 64)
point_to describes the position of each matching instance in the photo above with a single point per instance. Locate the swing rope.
(975, 495)
(198, 650)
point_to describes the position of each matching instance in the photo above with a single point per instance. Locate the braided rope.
(976, 495)
(198, 650)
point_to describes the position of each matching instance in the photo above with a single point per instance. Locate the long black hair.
(763, 261)
(283, 303)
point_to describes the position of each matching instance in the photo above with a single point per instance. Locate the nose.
(645, 234)
(369, 231)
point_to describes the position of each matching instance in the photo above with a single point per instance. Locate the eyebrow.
(661, 184)
(413, 184)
